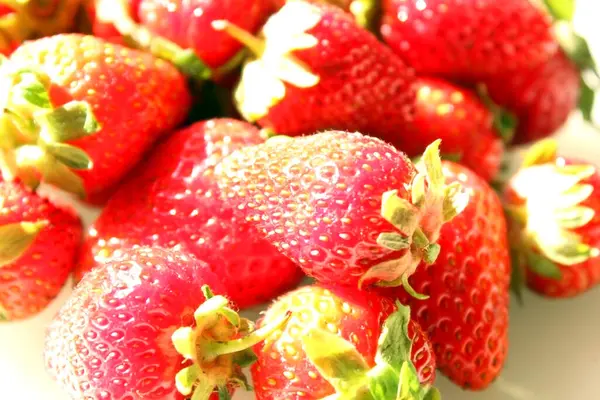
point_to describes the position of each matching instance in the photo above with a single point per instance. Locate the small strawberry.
(129, 331)
(172, 200)
(466, 314)
(180, 31)
(31, 19)
(458, 117)
(468, 39)
(38, 248)
(347, 208)
(54, 88)
(317, 69)
(542, 98)
(342, 343)
(554, 209)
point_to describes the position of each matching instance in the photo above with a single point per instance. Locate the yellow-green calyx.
(262, 84)
(34, 133)
(543, 226)
(418, 221)
(16, 238)
(218, 346)
(393, 377)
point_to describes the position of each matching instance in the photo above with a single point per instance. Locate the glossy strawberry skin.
(577, 278)
(135, 97)
(468, 39)
(188, 23)
(542, 98)
(30, 283)
(318, 199)
(368, 89)
(283, 369)
(112, 339)
(456, 115)
(466, 315)
(171, 200)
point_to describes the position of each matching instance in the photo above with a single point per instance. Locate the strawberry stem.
(256, 45)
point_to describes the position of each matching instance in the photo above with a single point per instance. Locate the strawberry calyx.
(4, 316)
(186, 60)
(418, 222)
(218, 346)
(394, 376)
(262, 84)
(365, 13)
(543, 224)
(16, 238)
(34, 134)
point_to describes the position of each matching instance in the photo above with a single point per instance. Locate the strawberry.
(542, 98)
(172, 200)
(317, 69)
(331, 343)
(349, 209)
(25, 20)
(38, 248)
(468, 39)
(458, 117)
(466, 314)
(56, 87)
(129, 331)
(554, 209)
(180, 31)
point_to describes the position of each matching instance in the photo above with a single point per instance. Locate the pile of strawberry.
(237, 146)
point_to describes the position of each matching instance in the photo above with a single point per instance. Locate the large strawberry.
(457, 116)
(341, 342)
(147, 326)
(542, 98)
(30, 19)
(349, 209)
(466, 314)
(172, 200)
(55, 84)
(38, 248)
(317, 69)
(554, 209)
(468, 39)
(180, 31)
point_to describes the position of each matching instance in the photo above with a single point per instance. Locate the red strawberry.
(466, 314)
(542, 98)
(25, 20)
(38, 248)
(317, 69)
(468, 39)
(347, 208)
(335, 326)
(171, 200)
(181, 31)
(554, 209)
(458, 117)
(135, 98)
(140, 327)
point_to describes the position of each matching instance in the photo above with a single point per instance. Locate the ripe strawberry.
(466, 314)
(357, 331)
(554, 209)
(25, 20)
(317, 69)
(458, 117)
(38, 247)
(172, 200)
(135, 98)
(347, 208)
(468, 39)
(542, 98)
(129, 331)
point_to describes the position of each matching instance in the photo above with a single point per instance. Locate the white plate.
(554, 345)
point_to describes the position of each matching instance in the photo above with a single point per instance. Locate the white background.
(554, 345)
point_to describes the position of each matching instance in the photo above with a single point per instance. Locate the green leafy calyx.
(16, 238)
